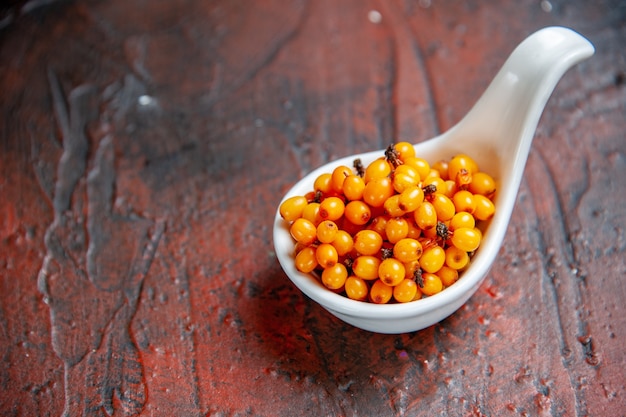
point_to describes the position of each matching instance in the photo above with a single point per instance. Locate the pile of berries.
(396, 230)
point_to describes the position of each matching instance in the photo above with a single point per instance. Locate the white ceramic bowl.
(497, 133)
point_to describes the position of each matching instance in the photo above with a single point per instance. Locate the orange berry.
(406, 291)
(292, 208)
(305, 260)
(326, 255)
(338, 177)
(368, 242)
(391, 271)
(353, 187)
(380, 293)
(432, 284)
(379, 168)
(358, 212)
(356, 288)
(334, 277)
(303, 231)
(484, 207)
(343, 242)
(332, 208)
(366, 267)
(377, 191)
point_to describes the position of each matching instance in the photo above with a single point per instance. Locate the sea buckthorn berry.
(323, 183)
(444, 207)
(401, 181)
(326, 231)
(411, 269)
(366, 267)
(432, 259)
(392, 206)
(431, 284)
(466, 239)
(357, 212)
(380, 293)
(356, 288)
(303, 231)
(338, 176)
(411, 198)
(459, 162)
(312, 213)
(462, 219)
(463, 179)
(368, 242)
(305, 260)
(378, 224)
(447, 275)
(332, 208)
(438, 182)
(343, 242)
(414, 231)
(326, 255)
(483, 184)
(456, 258)
(425, 216)
(484, 207)
(422, 166)
(405, 150)
(377, 191)
(391, 271)
(406, 291)
(378, 168)
(464, 201)
(407, 250)
(334, 277)
(450, 189)
(396, 228)
(409, 170)
(292, 208)
(353, 187)
(442, 167)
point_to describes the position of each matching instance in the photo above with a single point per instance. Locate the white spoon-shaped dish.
(497, 133)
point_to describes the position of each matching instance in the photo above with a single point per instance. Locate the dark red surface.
(145, 146)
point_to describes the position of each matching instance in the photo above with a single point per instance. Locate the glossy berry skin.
(426, 216)
(456, 258)
(357, 212)
(305, 260)
(332, 208)
(334, 277)
(356, 288)
(368, 242)
(343, 242)
(466, 239)
(292, 208)
(407, 250)
(406, 291)
(366, 267)
(326, 255)
(391, 271)
(485, 208)
(326, 231)
(353, 187)
(483, 184)
(377, 191)
(338, 177)
(432, 284)
(380, 293)
(379, 168)
(303, 231)
(433, 259)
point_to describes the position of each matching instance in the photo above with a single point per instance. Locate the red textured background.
(144, 147)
